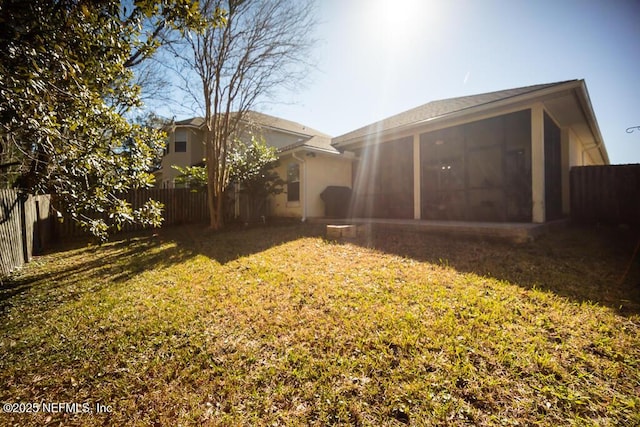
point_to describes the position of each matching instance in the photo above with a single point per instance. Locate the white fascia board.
(304, 148)
(590, 117)
(518, 99)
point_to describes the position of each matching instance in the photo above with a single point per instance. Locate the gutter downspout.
(597, 145)
(304, 185)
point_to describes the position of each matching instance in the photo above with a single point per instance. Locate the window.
(293, 182)
(180, 141)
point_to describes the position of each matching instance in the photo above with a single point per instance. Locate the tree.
(194, 177)
(252, 167)
(228, 69)
(66, 84)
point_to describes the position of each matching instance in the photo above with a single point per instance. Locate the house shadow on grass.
(580, 263)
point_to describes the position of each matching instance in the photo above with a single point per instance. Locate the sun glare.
(394, 24)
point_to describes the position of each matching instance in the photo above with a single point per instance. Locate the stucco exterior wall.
(321, 172)
(279, 139)
(581, 154)
(575, 149)
(195, 146)
(193, 155)
(278, 205)
(195, 151)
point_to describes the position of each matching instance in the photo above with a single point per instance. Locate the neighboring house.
(185, 147)
(497, 157)
(307, 161)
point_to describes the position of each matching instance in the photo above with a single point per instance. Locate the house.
(496, 157)
(502, 156)
(307, 161)
(184, 147)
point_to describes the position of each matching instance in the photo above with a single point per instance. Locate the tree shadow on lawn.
(580, 263)
(237, 241)
(129, 254)
(79, 261)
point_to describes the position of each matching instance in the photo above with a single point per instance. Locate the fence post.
(22, 202)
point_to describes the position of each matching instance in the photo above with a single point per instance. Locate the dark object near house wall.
(336, 201)
(605, 194)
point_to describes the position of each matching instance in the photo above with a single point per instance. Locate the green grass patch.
(278, 326)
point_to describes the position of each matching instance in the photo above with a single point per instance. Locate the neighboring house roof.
(193, 122)
(265, 120)
(436, 109)
(309, 138)
(254, 118)
(316, 143)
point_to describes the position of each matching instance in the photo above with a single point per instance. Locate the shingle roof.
(194, 121)
(277, 123)
(440, 108)
(263, 120)
(318, 142)
(311, 138)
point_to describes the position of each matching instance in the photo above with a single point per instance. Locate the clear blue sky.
(377, 58)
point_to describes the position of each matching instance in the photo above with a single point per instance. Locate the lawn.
(278, 326)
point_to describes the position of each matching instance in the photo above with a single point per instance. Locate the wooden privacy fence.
(606, 194)
(181, 206)
(24, 228)
(29, 224)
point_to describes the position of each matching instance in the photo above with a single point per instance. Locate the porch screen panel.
(486, 195)
(383, 180)
(479, 171)
(443, 175)
(394, 180)
(485, 141)
(518, 166)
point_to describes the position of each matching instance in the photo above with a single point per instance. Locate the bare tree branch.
(228, 69)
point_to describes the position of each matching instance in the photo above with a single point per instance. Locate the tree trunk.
(213, 193)
(216, 206)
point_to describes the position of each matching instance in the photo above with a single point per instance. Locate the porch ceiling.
(568, 111)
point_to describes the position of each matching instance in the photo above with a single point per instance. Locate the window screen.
(181, 141)
(293, 182)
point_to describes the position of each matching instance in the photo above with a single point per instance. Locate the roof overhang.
(568, 103)
(573, 109)
(308, 149)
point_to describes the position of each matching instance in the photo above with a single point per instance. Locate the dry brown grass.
(278, 326)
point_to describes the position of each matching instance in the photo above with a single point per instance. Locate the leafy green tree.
(253, 167)
(66, 85)
(194, 177)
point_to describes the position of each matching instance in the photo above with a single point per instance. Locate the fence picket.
(607, 194)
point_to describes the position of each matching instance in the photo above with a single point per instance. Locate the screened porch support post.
(537, 164)
(416, 177)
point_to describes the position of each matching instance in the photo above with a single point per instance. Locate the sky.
(377, 58)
